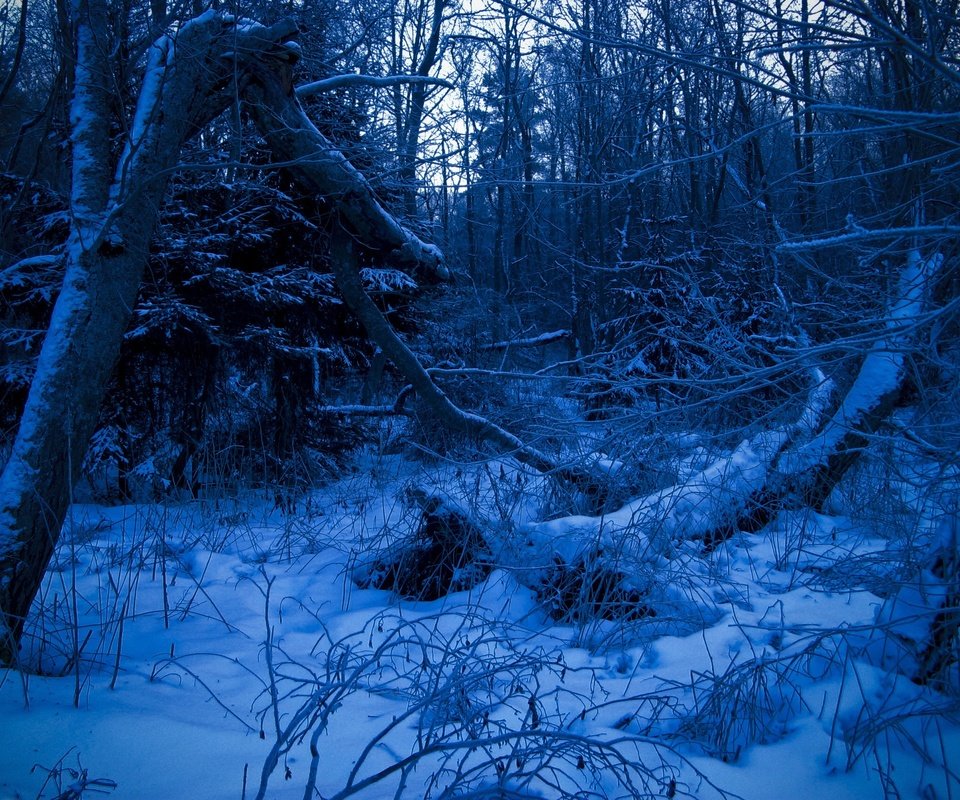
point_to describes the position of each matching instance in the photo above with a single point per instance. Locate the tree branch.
(531, 341)
(323, 169)
(376, 81)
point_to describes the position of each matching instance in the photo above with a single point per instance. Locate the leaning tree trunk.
(190, 79)
(806, 474)
(114, 208)
(608, 565)
(322, 169)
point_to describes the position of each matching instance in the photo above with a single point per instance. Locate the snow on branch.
(796, 464)
(532, 341)
(19, 273)
(376, 81)
(361, 410)
(883, 114)
(647, 528)
(858, 235)
(882, 370)
(322, 168)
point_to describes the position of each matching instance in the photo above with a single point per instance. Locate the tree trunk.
(798, 464)
(187, 84)
(805, 476)
(324, 170)
(114, 213)
(320, 167)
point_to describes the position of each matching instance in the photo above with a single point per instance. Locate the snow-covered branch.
(375, 81)
(861, 235)
(531, 341)
(360, 410)
(797, 464)
(322, 168)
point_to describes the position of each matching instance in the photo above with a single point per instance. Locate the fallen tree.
(795, 466)
(580, 567)
(610, 564)
(805, 474)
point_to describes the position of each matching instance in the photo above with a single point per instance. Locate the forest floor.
(216, 648)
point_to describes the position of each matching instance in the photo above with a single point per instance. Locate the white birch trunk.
(114, 212)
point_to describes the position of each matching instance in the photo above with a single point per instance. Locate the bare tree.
(11, 77)
(424, 44)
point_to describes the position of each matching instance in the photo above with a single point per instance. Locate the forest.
(480, 399)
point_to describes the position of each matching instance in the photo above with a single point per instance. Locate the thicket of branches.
(701, 273)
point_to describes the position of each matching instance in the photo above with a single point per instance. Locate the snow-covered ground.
(223, 646)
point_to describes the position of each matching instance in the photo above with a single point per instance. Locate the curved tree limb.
(806, 474)
(445, 410)
(322, 168)
(788, 467)
(376, 81)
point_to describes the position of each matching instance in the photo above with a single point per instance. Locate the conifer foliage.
(238, 337)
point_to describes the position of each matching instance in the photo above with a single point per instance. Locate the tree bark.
(789, 467)
(114, 213)
(321, 168)
(189, 81)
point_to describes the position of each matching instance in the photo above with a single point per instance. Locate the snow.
(21, 273)
(548, 337)
(650, 527)
(350, 79)
(390, 281)
(87, 129)
(776, 678)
